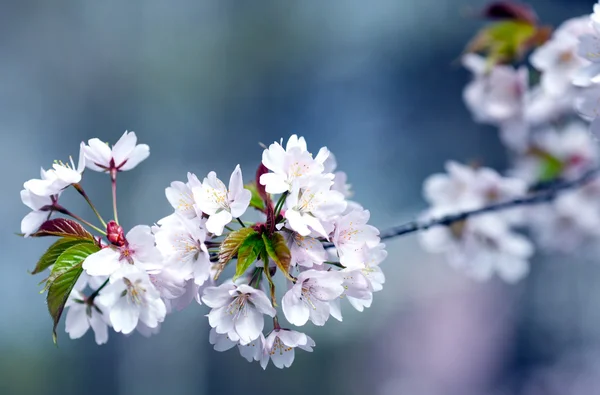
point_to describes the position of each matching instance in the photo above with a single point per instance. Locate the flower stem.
(113, 178)
(271, 283)
(241, 223)
(96, 292)
(280, 203)
(64, 211)
(79, 189)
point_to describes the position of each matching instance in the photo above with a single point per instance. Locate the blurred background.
(203, 82)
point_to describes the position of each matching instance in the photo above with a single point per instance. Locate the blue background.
(203, 83)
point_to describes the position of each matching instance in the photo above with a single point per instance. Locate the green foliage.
(230, 246)
(248, 253)
(507, 41)
(64, 275)
(279, 252)
(54, 251)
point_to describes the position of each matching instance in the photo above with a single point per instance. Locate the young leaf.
(279, 252)
(68, 269)
(248, 252)
(54, 251)
(230, 247)
(63, 227)
(70, 257)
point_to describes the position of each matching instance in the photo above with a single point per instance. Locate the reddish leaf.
(63, 227)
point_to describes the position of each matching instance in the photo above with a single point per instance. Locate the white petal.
(97, 153)
(274, 183)
(124, 316)
(139, 153)
(76, 323)
(249, 325)
(32, 222)
(102, 263)
(99, 327)
(122, 149)
(217, 222)
(295, 310)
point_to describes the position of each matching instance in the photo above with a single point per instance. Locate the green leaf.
(505, 41)
(69, 257)
(279, 252)
(63, 227)
(66, 271)
(248, 252)
(54, 251)
(256, 201)
(230, 246)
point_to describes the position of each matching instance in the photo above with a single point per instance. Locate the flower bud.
(114, 234)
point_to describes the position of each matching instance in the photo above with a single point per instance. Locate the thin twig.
(543, 196)
(537, 197)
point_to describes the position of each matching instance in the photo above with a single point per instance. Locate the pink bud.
(114, 234)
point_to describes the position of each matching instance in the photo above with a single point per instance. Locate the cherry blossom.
(497, 96)
(558, 58)
(60, 176)
(313, 206)
(139, 250)
(291, 167)
(237, 310)
(124, 155)
(280, 345)
(481, 247)
(132, 298)
(305, 250)
(351, 232)
(82, 315)
(181, 243)
(222, 204)
(309, 297)
(181, 196)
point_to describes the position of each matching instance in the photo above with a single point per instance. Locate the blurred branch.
(539, 196)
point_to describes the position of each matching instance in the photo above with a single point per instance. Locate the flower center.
(134, 291)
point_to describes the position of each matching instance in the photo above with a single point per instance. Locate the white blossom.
(481, 246)
(291, 167)
(82, 316)
(139, 250)
(309, 297)
(313, 207)
(570, 151)
(351, 232)
(132, 298)
(280, 345)
(60, 176)
(237, 310)
(124, 155)
(32, 221)
(305, 250)
(181, 196)
(253, 351)
(497, 96)
(222, 204)
(181, 242)
(558, 58)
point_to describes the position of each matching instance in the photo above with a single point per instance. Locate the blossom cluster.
(311, 237)
(541, 106)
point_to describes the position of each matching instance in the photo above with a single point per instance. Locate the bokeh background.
(203, 82)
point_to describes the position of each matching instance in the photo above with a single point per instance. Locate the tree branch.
(541, 196)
